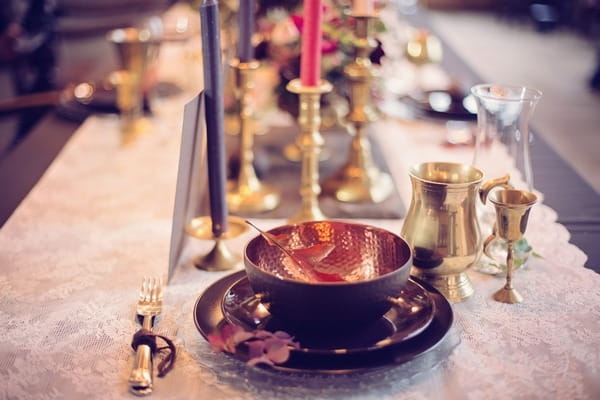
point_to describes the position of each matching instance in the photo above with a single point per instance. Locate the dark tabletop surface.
(575, 201)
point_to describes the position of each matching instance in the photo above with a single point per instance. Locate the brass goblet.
(512, 212)
(137, 50)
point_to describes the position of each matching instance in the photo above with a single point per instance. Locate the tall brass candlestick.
(360, 180)
(248, 193)
(310, 143)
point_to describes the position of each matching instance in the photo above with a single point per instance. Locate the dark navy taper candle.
(213, 90)
(246, 29)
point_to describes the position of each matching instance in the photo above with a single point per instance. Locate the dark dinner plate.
(412, 313)
(447, 104)
(382, 343)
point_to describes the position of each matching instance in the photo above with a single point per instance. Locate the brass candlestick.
(360, 180)
(220, 258)
(512, 212)
(248, 194)
(292, 152)
(310, 143)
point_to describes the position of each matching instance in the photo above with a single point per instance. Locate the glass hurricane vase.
(503, 117)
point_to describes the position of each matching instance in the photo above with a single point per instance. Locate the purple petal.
(228, 331)
(277, 352)
(216, 342)
(282, 335)
(241, 336)
(258, 360)
(262, 334)
(256, 348)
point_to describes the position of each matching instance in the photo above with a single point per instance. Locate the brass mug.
(442, 227)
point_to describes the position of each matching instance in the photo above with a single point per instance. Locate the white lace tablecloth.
(73, 254)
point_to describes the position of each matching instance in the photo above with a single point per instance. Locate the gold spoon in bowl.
(302, 265)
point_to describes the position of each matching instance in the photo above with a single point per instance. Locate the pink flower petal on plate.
(256, 348)
(277, 351)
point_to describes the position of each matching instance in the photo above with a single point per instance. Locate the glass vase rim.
(528, 93)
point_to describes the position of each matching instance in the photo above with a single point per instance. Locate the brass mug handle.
(487, 242)
(487, 186)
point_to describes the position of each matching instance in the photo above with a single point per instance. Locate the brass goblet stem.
(508, 294)
(248, 193)
(310, 143)
(360, 180)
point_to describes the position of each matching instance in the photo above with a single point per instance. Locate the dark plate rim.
(424, 108)
(399, 339)
(342, 363)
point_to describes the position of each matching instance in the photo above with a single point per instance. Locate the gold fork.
(149, 306)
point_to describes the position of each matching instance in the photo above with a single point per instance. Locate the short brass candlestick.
(310, 143)
(360, 180)
(512, 212)
(219, 258)
(247, 193)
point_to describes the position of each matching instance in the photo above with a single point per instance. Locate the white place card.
(191, 177)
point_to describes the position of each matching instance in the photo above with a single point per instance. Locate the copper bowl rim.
(407, 264)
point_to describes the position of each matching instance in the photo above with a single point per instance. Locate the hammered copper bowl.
(368, 265)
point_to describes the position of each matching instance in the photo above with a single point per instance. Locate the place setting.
(316, 295)
(338, 326)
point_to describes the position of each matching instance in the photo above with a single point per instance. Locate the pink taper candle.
(362, 7)
(310, 62)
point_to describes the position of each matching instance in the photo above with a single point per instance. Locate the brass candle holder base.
(219, 258)
(455, 287)
(310, 142)
(248, 194)
(508, 295)
(131, 130)
(292, 152)
(252, 199)
(360, 180)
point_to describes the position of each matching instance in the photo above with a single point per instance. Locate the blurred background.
(552, 45)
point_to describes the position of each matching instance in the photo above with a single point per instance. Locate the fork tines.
(151, 291)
